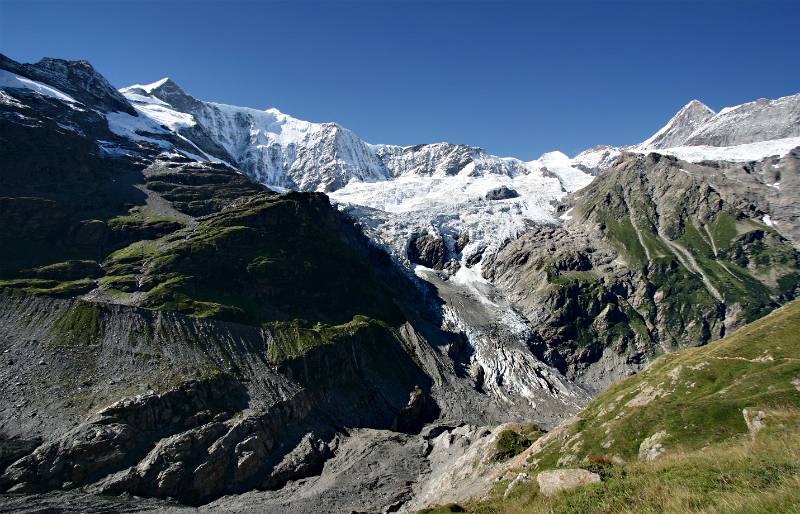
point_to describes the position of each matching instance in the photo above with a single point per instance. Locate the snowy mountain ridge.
(752, 122)
(457, 193)
(283, 151)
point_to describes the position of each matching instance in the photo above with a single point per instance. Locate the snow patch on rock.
(13, 81)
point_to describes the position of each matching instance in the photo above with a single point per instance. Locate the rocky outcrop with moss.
(700, 427)
(658, 254)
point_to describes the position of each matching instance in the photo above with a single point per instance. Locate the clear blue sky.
(516, 78)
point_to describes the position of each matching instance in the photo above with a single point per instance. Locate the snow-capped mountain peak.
(680, 127)
(759, 121)
(148, 88)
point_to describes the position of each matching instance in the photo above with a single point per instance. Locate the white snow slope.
(395, 190)
(737, 153)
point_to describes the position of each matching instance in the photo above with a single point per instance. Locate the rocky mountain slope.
(656, 254)
(701, 427)
(680, 128)
(172, 329)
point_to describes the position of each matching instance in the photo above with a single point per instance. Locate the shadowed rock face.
(428, 250)
(219, 417)
(76, 78)
(120, 434)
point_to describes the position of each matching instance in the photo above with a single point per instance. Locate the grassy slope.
(270, 258)
(675, 234)
(742, 257)
(697, 396)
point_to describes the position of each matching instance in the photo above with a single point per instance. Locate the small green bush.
(511, 442)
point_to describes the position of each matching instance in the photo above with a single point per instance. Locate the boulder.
(521, 478)
(427, 250)
(554, 481)
(754, 420)
(501, 193)
(651, 448)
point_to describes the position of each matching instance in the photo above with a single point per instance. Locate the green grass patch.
(80, 325)
(723, 230)
(739, 475)
(512, 442)
(564, 278)
(624, 237)
(696, 395)
(47, 287)
(135, 251)
(293, 339)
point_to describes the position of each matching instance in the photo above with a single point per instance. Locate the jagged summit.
(166, 90)
(752, 122)
(681, 126)
(697, 104)
(148, 88)
(76, 78)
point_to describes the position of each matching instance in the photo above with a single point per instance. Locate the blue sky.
(517, 78)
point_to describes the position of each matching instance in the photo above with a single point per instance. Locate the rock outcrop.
(428, 250)
(501, 193)
(555, 481)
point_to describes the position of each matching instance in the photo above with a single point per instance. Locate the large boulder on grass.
(557, 480)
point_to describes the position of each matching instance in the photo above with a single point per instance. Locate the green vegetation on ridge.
(708, 460)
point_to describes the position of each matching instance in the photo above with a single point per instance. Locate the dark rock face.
(117, 435)
(462, 241)
(412, 417)
(242, 424)
(501, 193)
(475, 258)
(76, 78)
(427, 250)
(223, 456)
(173, 94)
